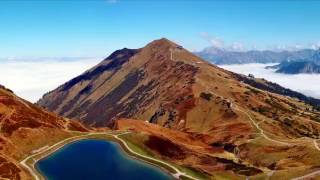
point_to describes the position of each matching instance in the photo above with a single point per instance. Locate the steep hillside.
(268, 86)
(165, 84)
(25, 127)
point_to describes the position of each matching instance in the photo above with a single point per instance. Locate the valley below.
(303, 83)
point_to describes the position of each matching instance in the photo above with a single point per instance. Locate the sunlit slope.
(24, 128)
(162, 83)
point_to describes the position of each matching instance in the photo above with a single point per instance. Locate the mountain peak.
(125, 52)
(163, 42)
(6, 89)
(166, 85)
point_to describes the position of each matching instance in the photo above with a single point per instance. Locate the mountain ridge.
(133, 76)
(166, 85)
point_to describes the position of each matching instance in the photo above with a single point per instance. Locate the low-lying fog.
(308, 84)
(31, 79)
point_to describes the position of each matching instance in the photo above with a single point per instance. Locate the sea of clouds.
(308, 84)
(30, 79)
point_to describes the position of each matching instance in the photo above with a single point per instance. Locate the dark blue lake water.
(96, 160)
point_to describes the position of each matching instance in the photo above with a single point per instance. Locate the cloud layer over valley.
(307, 84)
(30, 79)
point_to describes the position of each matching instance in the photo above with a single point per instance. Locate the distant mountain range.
(307, 66)
(222, 56)
(296, 67)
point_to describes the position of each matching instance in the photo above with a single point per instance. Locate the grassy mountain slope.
(162, 83)
(24, 128)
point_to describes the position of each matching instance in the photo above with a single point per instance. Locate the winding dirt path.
(235, 107)
(270, 174)
(310, 175)
(316, 144)
(260, 129)
(313, 174)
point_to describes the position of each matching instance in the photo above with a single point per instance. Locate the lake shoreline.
(29, 162)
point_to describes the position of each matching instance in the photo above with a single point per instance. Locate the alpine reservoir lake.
(96, 160)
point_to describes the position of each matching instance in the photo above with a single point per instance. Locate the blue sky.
(96, 28)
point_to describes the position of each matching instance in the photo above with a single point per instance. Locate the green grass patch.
(135, 142)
